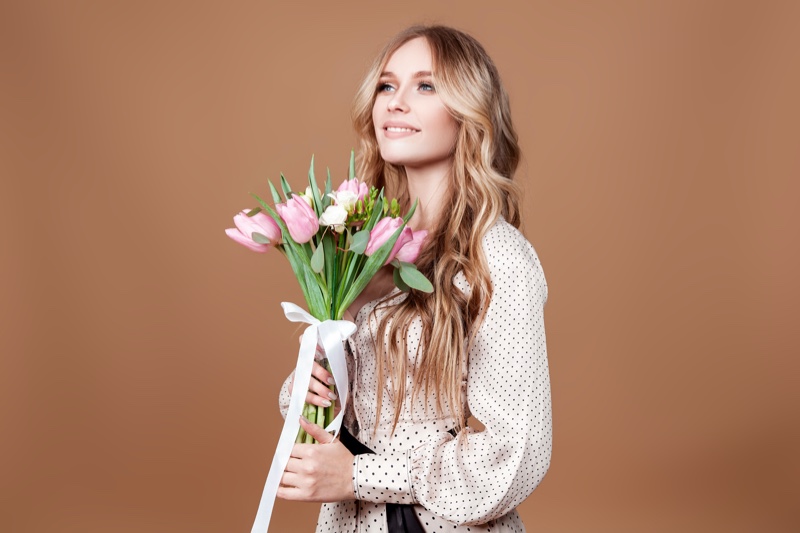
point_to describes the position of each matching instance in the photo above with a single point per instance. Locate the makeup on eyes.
(425, 85)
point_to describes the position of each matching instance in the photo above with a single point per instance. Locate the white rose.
(334, 215)
(345, 199)
(308, 196)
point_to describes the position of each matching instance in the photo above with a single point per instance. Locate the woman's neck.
(429, 187)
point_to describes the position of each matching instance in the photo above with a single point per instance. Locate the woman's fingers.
(318, 392)
(322, 374)
(316, 431)
(317, 400)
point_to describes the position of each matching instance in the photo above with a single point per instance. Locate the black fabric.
(400, 518)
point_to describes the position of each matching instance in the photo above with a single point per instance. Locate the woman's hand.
(318, 472)
(318, 392)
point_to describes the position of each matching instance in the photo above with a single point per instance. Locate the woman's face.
(413, 127)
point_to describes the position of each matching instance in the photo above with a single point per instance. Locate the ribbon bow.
(331, 334)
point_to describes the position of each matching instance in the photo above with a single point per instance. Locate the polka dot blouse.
(474, 481)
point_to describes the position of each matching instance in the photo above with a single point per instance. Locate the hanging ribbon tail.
(331, 334)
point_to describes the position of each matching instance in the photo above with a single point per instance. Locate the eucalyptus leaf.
(359, 241)
(398, 281)
(415, 279)
(318, 259)
(260, 238)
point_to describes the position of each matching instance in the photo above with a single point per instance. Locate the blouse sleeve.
(284, 397)
(481, 476)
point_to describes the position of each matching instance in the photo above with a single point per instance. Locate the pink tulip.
(354, 186)
(383, 230)
(258, 223)
(300, 218)
(410, 251)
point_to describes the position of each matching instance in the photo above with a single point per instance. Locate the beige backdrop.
(142, 350)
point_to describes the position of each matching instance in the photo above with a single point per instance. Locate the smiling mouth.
(394, 129)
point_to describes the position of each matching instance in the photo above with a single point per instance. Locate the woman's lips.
(397, 132)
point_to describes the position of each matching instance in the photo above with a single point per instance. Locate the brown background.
(142, 350)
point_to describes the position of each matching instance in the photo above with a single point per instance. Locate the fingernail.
(332, 396)
(326, 403)
(331, 382)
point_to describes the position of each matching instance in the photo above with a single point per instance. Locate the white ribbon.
(330, 334)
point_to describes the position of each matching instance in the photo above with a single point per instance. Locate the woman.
(434, 125)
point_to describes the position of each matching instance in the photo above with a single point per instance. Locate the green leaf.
(376, 213)
(352, 173)
(326, 200)
(330, 263)
(271, 212)
(287, 191)
(254, 211)
(318, 204)
(358, 244)
(315, 294)
(275, 196)
(328, 184)
(318, 259)
(371, 266)
(399, 281)
(260, 238)
(414, 278)
(410, 212)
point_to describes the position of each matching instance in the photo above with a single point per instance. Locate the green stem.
(321, 411)
(301, 433)
(312, 415)
(331, 409)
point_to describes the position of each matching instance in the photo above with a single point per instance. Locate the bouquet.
(335, 242)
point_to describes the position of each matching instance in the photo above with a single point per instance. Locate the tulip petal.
(237, 236)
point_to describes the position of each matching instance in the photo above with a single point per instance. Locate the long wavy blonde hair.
(480, 189)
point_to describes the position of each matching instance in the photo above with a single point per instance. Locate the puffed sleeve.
(480, 476)
(284, 397)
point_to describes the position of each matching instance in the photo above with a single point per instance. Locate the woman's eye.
(384, 87)
(425, 86)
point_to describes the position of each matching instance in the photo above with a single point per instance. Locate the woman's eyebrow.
(420, 74)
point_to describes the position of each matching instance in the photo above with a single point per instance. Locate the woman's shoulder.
(505, 244)
(509, 257)
(512, 259)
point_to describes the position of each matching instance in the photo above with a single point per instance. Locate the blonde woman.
(434, 124)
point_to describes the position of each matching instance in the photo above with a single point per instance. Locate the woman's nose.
(398, 102)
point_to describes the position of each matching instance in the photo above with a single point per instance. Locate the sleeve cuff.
(383, 478)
